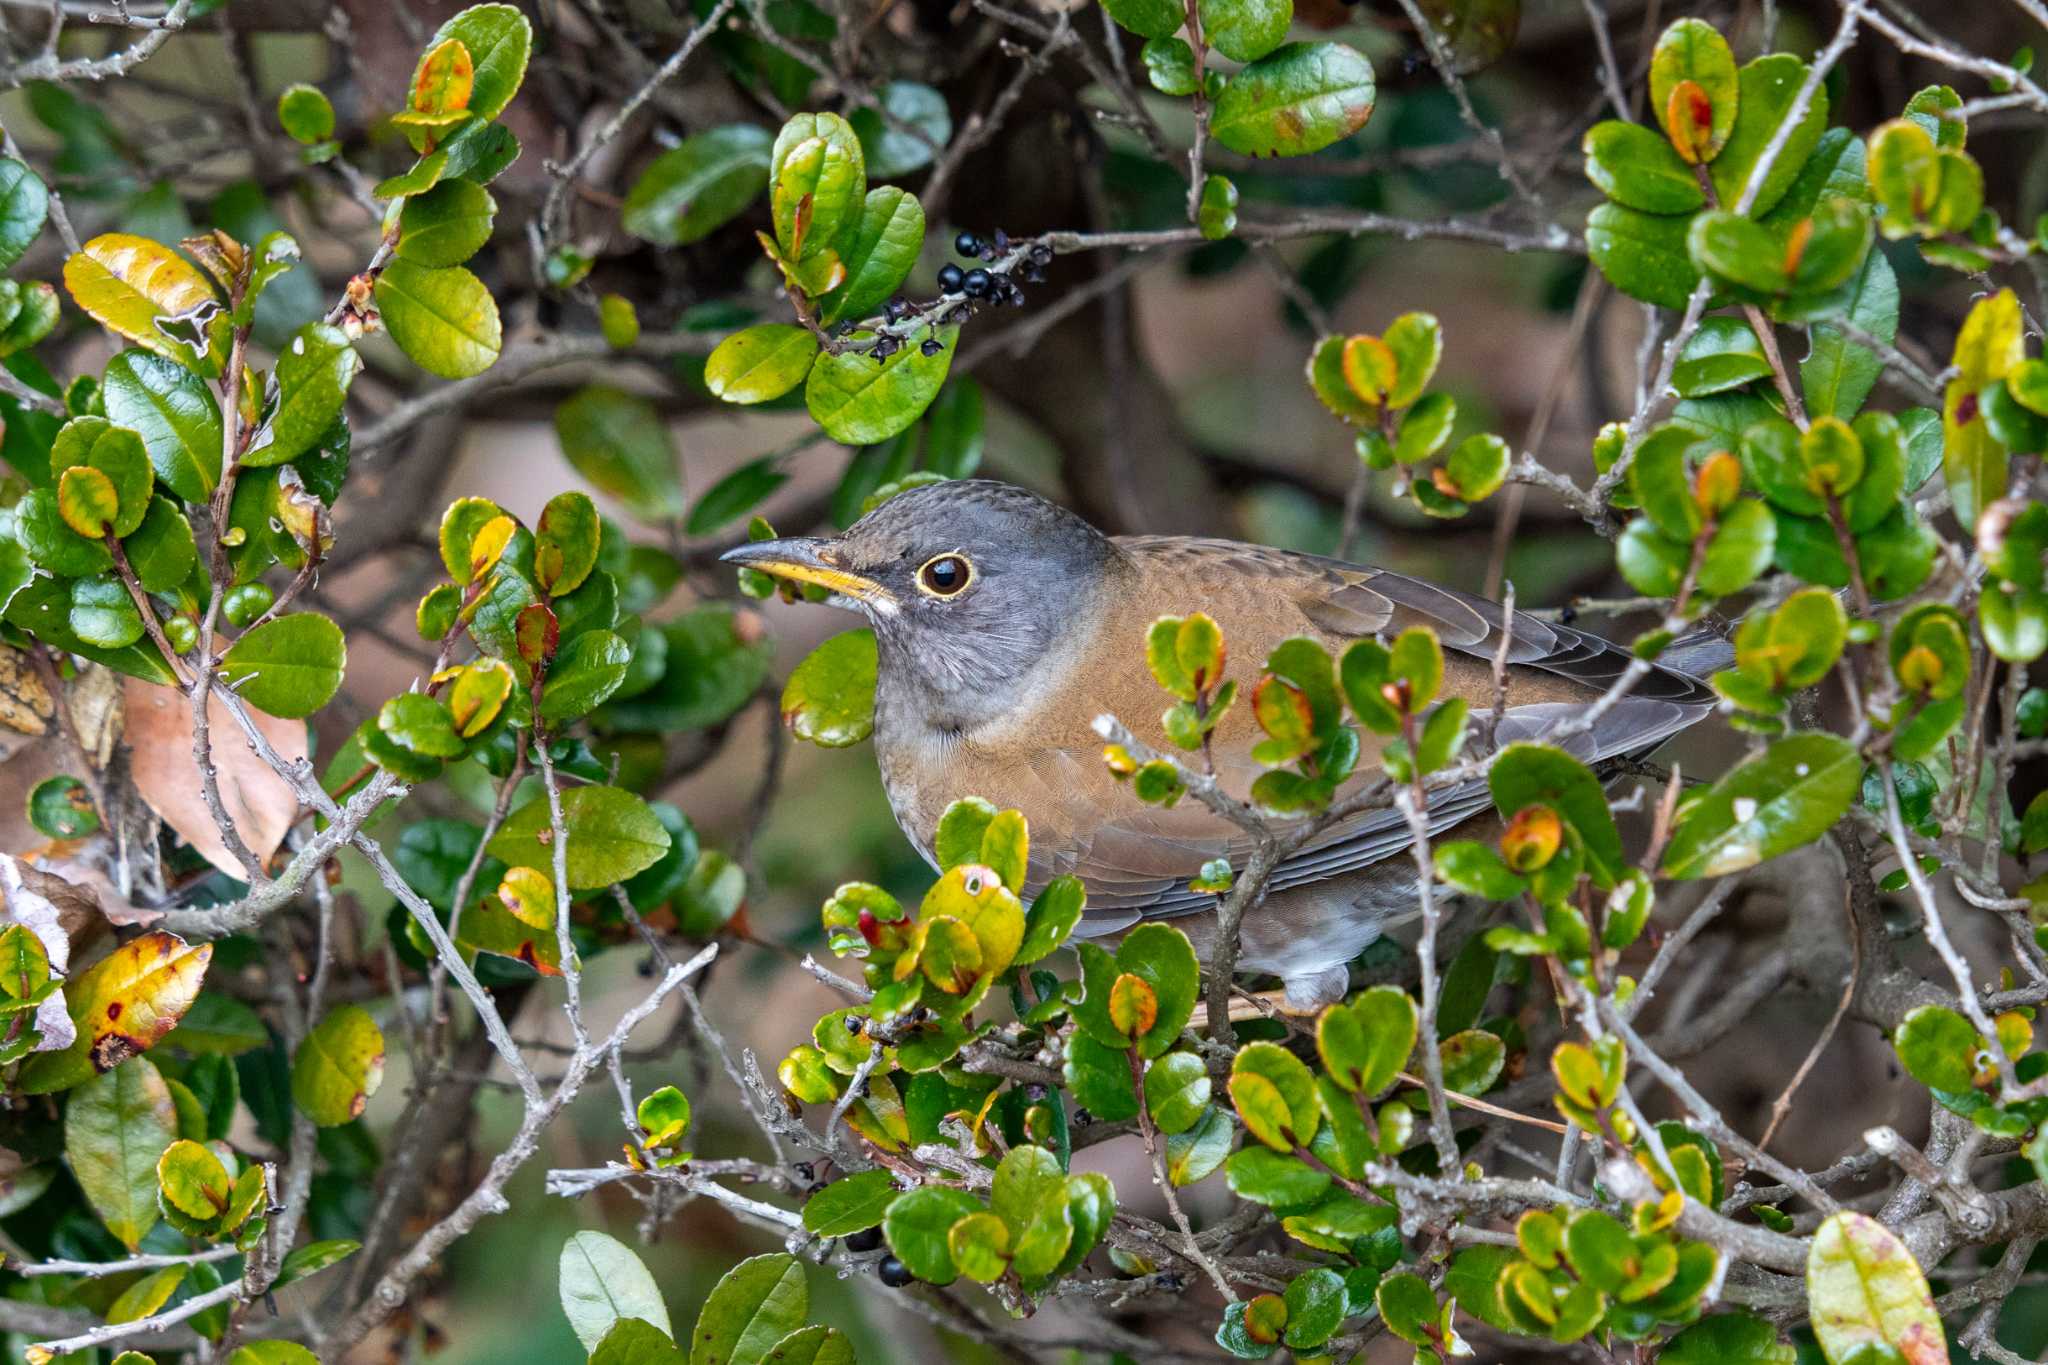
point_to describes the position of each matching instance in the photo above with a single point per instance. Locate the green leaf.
(1052, 918)
(103, 614)
(314, 1257)
(612, 835)
(162, 550)
(619, 442)
(1098, 1078)
(24, 205)
(1246, 30)
(1217, 215)
(1315, 1308)
(498, 38)
(1275, 1096)
(447, 225)
(953, 430)
(587, 670)
(1267, 1177)
(313, 377)
(812, 1346)
(175, 413)
(1837, 373)
(1408, 1307)
(632, 1341)
(859, 402)
(916, 1227)
(1723, 354)
(1543, 775)
(1297, 99)
(1939, 1047)
(1176, 1091)
(1728, 1339)
(1365, 1043)
(1170, 65)
(699, 185)
(566, 542)
(754, 1305)
(1148, 18)
(1738, 250)
(1196, 1154)
(115, 1127)
(717, 660)
(1787, 796)
(59, 808)
(891, 152)
(830, 697)
(1865, 1293)
(760, 363)
(878, 253)
(338, 1067)
(141, 290)
(445, 319)
(290, 666)
(1633, 166)
(1693, 50)
(114, 452)
(850, 1204)
(1643, 255)
(601, 1283)
(305, 114)
(1769, 87)
(733, 496)
(817, 180)
(1162, 957)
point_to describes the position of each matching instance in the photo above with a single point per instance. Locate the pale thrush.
(1006, 625)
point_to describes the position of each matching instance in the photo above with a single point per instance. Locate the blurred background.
(1157, 392)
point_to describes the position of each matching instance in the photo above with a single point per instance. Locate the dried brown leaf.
(260, 803)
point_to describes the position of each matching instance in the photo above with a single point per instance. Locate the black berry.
(930, 346)
(950, 277)
(976, 284)
(867, 1239)
(894, 310)
(967, 244)
(854, 1024)
(893, 1272)
(803, 1172)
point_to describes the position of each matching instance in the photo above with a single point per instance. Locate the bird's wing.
(1138, 859)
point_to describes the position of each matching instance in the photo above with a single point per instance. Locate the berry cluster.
(990, 285)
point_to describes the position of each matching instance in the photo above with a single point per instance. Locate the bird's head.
(968, 583)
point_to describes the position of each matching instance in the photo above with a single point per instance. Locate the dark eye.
(945, 575)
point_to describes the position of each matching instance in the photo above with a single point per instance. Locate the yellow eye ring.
(946, 575)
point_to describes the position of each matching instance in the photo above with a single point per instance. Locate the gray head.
(968, 584)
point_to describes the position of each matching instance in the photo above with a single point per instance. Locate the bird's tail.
(1703, 650)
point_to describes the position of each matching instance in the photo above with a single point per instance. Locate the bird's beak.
(808, 559)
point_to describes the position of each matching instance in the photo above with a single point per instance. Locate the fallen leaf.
(96, 710)
(82, 863)
(24, 701)
(159, 721)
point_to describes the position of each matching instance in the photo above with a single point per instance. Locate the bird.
(1005, 625)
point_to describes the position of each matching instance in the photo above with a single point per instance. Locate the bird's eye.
(945, 575)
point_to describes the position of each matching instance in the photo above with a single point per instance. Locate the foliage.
(202, 974)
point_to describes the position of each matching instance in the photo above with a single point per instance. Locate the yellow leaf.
(143, 291)
(1989, 344)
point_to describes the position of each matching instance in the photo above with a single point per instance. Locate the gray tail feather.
(1703, 650)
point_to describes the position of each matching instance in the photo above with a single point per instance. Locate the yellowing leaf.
(338, 1067)
(145, 292)
(445, 78)
(1989, 344)
(1865, 1291)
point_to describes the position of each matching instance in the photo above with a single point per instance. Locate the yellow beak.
(803, 559)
